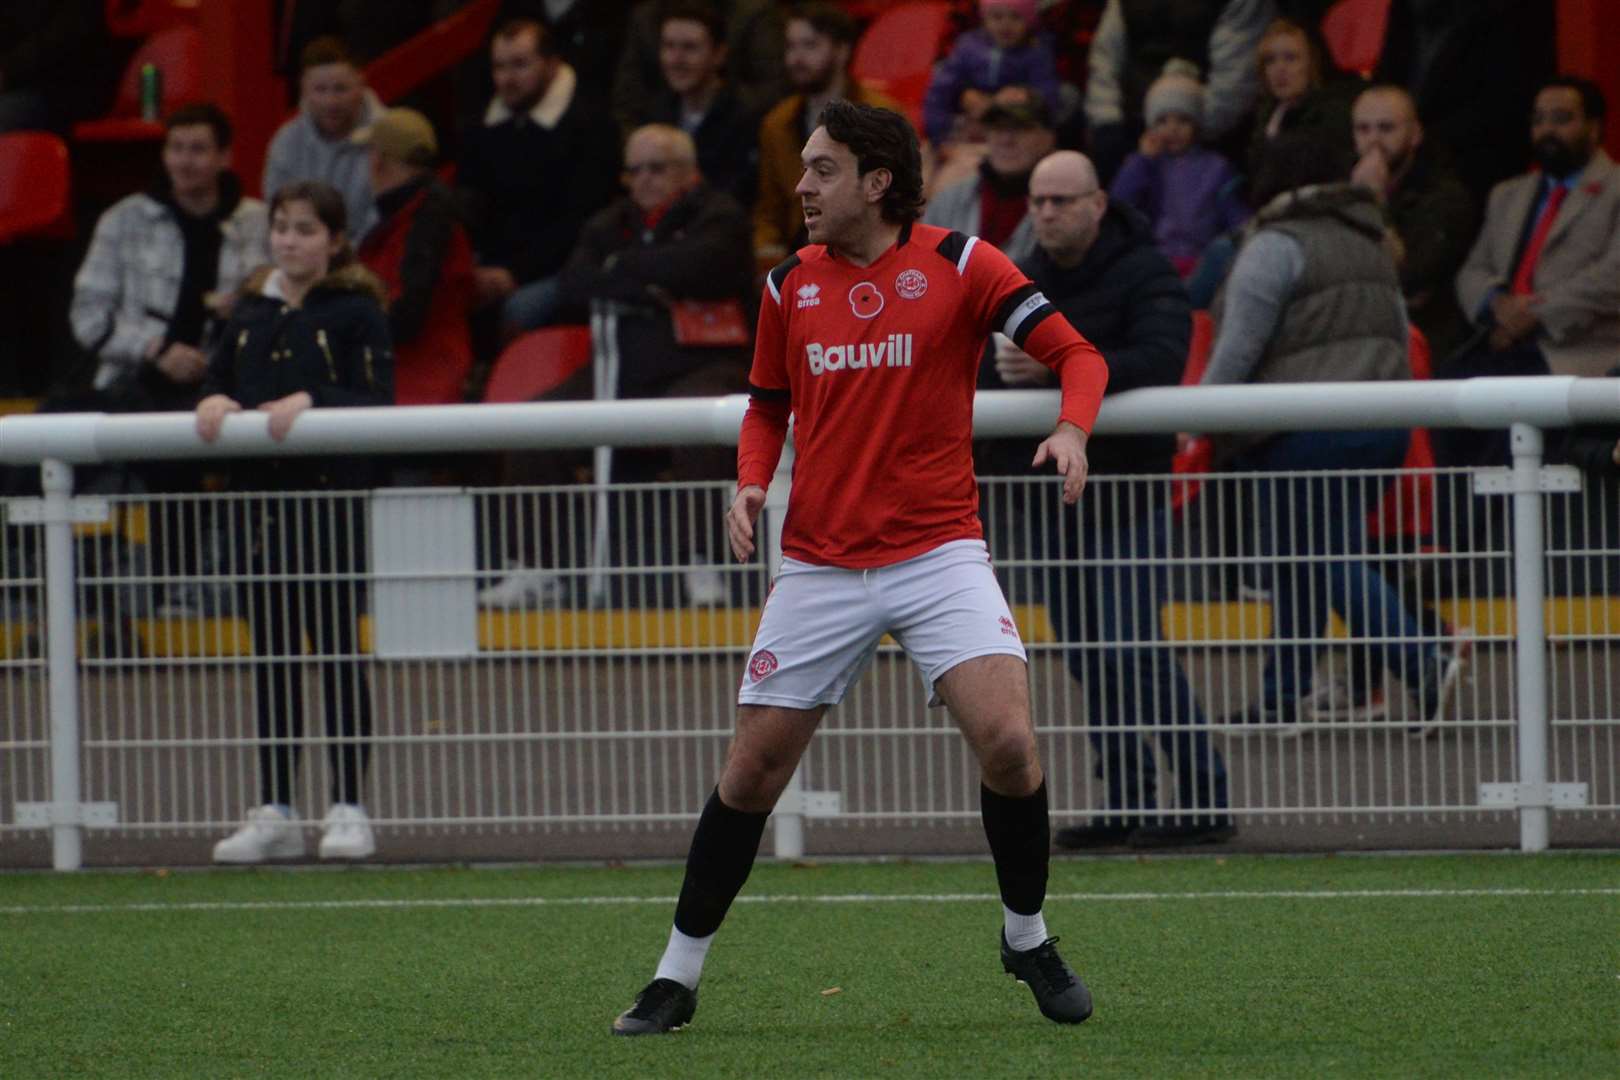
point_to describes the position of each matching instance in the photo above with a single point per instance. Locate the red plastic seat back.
(1354, 32)
(1198, 455)
(35, 190)
(1407, 506)
(177, 53)
(896, 54)
(537, 362)
(137, 18)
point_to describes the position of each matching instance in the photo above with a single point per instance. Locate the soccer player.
(871, 338)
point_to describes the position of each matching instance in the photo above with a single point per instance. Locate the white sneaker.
(266, 833)
(705, 587)
(1334, 699)
(346, 833)
(1452, 663)
(523, 588)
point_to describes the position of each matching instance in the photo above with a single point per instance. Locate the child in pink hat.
(1008, 49)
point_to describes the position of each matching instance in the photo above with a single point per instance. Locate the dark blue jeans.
(1106, 598)
(1311, 530)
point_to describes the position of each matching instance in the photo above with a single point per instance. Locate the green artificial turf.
(1239, 985)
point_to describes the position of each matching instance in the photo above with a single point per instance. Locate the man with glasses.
(1096, 260)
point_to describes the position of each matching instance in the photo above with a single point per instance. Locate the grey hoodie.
(299, 152)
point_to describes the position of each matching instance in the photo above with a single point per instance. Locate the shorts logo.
(762, 665)
(1007, 627)
(865, 300)
(809, 295)
(911, 284)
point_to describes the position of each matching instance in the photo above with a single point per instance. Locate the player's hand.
(740, 520)
(211, 413)
(283, 411)
(1066, 447)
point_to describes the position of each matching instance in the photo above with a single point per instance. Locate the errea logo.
(809, 295)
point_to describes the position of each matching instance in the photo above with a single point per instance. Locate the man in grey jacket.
(993, 204)
(333, 104)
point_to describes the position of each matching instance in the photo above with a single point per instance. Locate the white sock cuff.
(683, 958)
(1024, 932)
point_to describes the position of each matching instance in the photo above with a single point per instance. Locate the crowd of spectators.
(640, 157)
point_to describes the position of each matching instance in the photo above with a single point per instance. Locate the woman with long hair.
(309, 332)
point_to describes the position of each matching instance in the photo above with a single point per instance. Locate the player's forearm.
(759, 446)
(1081, 369)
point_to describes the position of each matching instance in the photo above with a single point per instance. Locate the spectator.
(673, 238)
(994, 204)
(369, 27)
(820, 40)
(1095, 260)
(695, 97)
(419, 250)
(1430, 210)
(57, 63)
(1007, 50)
(1295, 92)
(310, 331)
(1469, 66)
(542, 161)
(333, 103)
(1314, 296)
(1136, 38)
(161, 275)
(1188, 191)
(753, 62)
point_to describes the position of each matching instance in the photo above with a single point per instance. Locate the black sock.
(723, 851)
(1020, 844)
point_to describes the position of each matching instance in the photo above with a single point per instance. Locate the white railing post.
(62, 666)
(787, 822)
(1529, 592)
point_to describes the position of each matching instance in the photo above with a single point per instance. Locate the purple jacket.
(975, 63)
(1191, 198)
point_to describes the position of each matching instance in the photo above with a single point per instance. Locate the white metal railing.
(575, 715)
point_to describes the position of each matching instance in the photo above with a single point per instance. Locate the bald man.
(1097, 262)
(1428, 206)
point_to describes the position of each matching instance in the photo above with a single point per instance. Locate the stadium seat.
(1407, 506)
(138, 18)
(1354, 32)
(896, 54)
(537, 362)
(177, 52)
(35, 191)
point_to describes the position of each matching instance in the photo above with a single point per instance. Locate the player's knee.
(755, 778)
(1010, 763)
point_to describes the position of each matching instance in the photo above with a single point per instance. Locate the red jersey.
(878, 365)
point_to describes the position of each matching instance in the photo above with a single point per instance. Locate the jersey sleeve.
(1008, 302)
(764, 426)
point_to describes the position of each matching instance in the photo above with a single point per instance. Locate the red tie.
(1532, 251)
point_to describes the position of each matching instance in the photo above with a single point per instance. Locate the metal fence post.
(787, 823)
(61, 657)
(1529, 591)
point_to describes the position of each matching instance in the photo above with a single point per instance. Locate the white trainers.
(266, 833)
(346, 833)
(1333, 698)
(1452, 663)
(523, 588)
(705, 586)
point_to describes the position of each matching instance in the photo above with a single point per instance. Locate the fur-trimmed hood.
(351, 278)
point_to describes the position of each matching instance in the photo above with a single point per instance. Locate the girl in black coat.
(309, 331)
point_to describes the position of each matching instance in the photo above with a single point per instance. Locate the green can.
(151, 92)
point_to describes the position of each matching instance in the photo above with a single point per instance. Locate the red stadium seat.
(138, 18)
(1407, 506)
(177, 52)
(537, 362)
(896, 54)
(1199, 454)
(35, 192)
(1354, 32)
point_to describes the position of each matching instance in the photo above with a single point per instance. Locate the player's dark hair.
(828, 20)
(545, 43)
(1592, 101)
(881, 139)
(202, 113)
(328, 49)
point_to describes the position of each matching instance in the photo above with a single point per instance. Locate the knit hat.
(1176, 91)
(402, 134)
(1025, 8)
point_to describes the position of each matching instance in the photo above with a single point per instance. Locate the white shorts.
(822, 624)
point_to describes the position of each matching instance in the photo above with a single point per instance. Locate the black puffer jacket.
(335, 346)
(1126, 299)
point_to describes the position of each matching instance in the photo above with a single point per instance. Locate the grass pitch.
(1460, 966)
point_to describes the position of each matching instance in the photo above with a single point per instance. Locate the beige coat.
(1578, 275)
